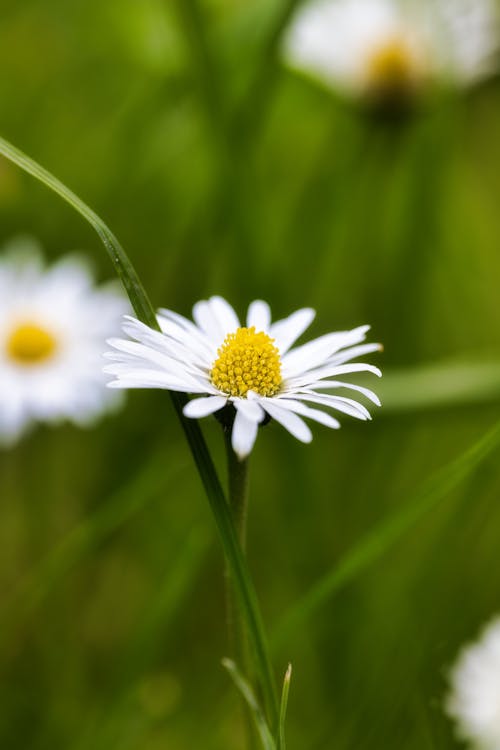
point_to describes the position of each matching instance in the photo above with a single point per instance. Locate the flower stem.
(238, 484)
(238, 491)
(237, 472)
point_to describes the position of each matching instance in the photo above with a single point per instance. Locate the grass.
(222, 172)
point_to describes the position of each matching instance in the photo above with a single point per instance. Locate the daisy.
(474, 701)
(391, 49)
(252, 369)
(53, 324)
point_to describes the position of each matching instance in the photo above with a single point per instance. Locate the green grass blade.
(439, 384)
(377, 542)
(253, 705)
(281, 744)
(122, 264)
(192, 431)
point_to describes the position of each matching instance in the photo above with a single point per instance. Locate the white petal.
(140, 356)
(286, 332)
(345, 405)
(13, 419)
(352, 353)
(156, 379)
(202, 407)
(192, 340)
(251, 409)
(244, 434)
(319, 416)
(329, 371)
(190, 353)
(290, 421)
(70, 275)
(326, 384)
(140, 352)
(216, 318)
(318, 351)
(225, 315)
(181, 321)
(145, 335)
(186, 325)
(259, 316)
(207, 322)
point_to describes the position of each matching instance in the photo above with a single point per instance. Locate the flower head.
(388, 49)
(474, 701)
(53, 323)
(252, 367)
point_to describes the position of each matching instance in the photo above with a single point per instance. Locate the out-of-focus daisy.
(252, 368)
(474, 701)
(53, 324)
(392, 49)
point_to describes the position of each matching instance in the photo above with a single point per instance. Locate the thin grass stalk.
(281, 741)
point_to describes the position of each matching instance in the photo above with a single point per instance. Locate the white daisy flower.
(392, 48)
(253, 368)
(53, 324)
(474, 702)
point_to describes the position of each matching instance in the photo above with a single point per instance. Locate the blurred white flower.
(474, 701)
(53, 325)
(394, 47)
(253, 367)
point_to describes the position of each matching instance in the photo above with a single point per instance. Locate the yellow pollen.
(247, 361)
(28, 344)
(392, 67)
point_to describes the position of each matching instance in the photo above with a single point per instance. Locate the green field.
(375, 550)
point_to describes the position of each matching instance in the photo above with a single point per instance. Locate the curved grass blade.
(192, 431)
(255, 710)
(384, 535)
(281, 744)
(122, 264)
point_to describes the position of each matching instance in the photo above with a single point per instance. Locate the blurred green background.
(223, 172)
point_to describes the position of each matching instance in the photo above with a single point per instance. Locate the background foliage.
(223, 172)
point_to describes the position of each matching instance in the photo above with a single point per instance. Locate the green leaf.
(384, 535)
(215, 494)
(249, 697)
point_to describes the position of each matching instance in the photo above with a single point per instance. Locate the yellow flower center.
(392, 67)
(247, 361)
(28, 344)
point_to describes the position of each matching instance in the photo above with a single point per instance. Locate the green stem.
(238, 485)
(237, 472)
(216, 498)
(238, 490)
